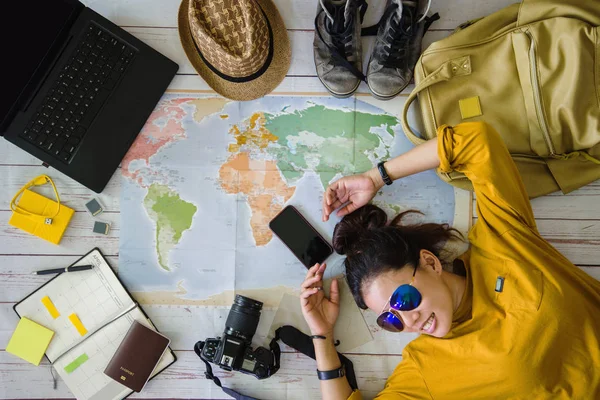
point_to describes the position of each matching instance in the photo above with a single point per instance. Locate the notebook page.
(88, 381)
(94, 296)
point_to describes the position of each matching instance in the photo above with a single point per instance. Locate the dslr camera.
(233, 351)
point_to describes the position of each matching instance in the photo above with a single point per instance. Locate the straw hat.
(239, 47)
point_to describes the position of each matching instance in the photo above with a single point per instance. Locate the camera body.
(231, 354)
(233, 351)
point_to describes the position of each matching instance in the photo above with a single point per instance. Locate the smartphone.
(300, 237)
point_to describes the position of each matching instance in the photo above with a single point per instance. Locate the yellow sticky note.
(50, 307)
(470, 107)
(77, 324)
(30, 341)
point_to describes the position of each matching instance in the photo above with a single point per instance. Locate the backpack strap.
(457, 67)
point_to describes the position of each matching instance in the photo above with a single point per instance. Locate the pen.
(59, 270)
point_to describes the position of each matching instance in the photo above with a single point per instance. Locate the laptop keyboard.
(81, 89)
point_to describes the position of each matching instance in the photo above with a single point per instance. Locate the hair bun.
(350, 229)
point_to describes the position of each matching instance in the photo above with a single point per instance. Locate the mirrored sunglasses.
(404, 298)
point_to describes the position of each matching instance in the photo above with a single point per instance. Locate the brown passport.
(137, 356)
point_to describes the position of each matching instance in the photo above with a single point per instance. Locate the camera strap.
(291, 337)
(304, 344)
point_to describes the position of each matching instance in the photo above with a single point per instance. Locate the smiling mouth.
(429, 323)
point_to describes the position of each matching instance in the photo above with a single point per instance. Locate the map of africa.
(206, 175)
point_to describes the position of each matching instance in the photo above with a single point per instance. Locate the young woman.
(523, 324)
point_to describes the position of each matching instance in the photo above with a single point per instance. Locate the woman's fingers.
(329, 197)
(331, 193)
(321, 270)
(312, 271)
(314, 276)
(350, 207)
(335, 196)
(308, 292)
(313, 282)
(326, 210)
(310, 283)
(334, 292)
(335, 192)
(315, 270)
(304, 296)
(336, 204)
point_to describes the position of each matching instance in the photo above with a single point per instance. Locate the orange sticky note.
(77, 324)
(50, 307)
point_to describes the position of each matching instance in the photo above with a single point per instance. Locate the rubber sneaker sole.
(385, 98)
(339, 95)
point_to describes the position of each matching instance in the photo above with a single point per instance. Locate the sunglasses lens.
(390, 322)
(405, 298)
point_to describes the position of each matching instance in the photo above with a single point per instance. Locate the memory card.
(101, 227)
(94, 207)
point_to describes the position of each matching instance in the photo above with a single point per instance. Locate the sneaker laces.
(340, 28)
(402, 30)
(424, 16)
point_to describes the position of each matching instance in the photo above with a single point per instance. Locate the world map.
(206, 175)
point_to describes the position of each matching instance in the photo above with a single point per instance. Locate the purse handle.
(40, 180)
(456, 67)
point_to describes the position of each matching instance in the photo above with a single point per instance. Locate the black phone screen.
(300, 237)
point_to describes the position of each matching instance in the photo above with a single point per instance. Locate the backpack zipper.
(537, 95)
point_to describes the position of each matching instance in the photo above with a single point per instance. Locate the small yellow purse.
(39, 215)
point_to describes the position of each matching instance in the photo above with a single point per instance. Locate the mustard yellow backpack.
(532, 71)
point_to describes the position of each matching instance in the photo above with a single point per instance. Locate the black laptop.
(75, 88)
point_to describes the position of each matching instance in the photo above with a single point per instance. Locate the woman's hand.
(319, 312)
(354, 191)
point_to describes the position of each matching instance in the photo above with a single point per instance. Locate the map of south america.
(172, 216)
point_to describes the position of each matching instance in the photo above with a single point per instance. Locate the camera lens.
(243, 318)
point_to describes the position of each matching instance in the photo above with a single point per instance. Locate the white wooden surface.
(571, 223)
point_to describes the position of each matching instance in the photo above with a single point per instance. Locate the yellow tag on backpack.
(39, 215)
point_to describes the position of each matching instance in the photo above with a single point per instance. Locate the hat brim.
(257, 87)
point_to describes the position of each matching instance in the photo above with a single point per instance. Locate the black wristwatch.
(333, 374)
(384, 175)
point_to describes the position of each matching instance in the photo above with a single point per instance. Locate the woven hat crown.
(232, 35)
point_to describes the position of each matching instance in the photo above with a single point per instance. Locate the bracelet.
(335, 343)
(332, 374)
(384, 175)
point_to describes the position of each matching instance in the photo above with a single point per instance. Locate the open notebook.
(82, 346)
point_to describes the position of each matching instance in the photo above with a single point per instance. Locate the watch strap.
(332, 374)
(384, 175)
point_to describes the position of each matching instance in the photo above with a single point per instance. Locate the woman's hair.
(372, 246)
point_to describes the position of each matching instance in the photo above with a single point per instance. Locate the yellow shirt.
(539, 337)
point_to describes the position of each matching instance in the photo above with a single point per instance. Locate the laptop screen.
(28, 30)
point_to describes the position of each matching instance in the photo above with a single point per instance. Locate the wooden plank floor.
(571, 223)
